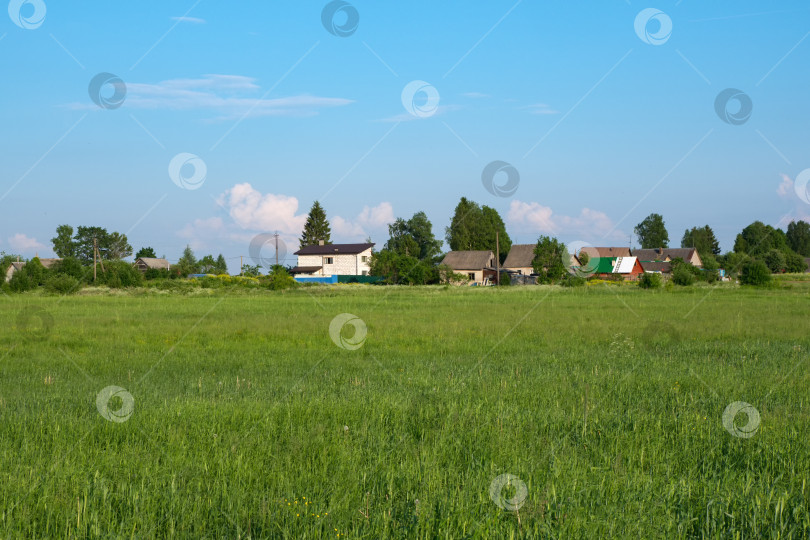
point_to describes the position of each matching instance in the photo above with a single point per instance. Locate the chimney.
(320, 242)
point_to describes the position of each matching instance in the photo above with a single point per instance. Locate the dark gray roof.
(663, 253)
(606, 252)
(334, 249)
(468, 260)
(656, 266)
(304, 269)
(520, 256)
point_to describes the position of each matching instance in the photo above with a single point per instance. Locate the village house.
(628, 267)
(521, 256)
(333, 259)
(520, 259)
(605, 252)
(478, 266)
(148, 263)
(17, 266)
(689, 255)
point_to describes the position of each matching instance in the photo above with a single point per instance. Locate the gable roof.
(657, 266)
(334, 249)
(520, 256)
(468, 260)
(612, 265)
(606, 252)
(151, 262)
(624, 265)
(659, 254)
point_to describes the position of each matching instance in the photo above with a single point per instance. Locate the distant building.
(628, 267)
(689, 255)
(17, 266)
(520, 259)
(605, 252)
(333, 259)
(478, 266)
(148, 263)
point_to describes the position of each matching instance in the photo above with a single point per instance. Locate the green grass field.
(250, 422)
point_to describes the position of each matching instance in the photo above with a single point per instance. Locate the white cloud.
(22, 243)
(370, 220)
(536, 218)
(252, 210)
(475, 95)
(785, 188)
(194, 20)
(228, 96)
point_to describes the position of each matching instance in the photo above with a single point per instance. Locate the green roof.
(604, 265)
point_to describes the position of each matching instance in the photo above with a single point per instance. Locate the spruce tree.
(316, 228)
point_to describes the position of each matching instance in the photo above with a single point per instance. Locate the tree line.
(412, 253)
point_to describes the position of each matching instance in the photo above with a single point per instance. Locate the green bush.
(572, 281)
(649, 280)
(62, 284)
(119, 274)
(21, 282)
(682, 275)
(755, 273)
(279, 279)
(794, 263)
(73, 267)
(157, 273)
(775, 261)
(29, 277)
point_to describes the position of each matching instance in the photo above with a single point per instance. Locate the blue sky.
(604, 125)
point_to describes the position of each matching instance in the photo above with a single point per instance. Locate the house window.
(364, 258)
(471, 275)
(329, 260)
(365, 273)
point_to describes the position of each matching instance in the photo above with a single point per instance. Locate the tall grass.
(250, 422)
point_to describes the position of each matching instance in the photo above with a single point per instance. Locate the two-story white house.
(333, 259)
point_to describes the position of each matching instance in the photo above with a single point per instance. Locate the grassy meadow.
(250, 422)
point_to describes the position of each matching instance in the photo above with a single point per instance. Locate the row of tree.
(412, 253)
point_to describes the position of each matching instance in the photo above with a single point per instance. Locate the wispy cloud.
(475, 95)
(25, 244)
(192, 20)
(225, 96)
(407, 117)
(540, 108)
(535, 218)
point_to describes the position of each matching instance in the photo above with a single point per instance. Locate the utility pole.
(241, 266)
(95, 249)
(497, 259)
(276, 236)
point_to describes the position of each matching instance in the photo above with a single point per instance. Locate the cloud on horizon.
(588, 225)
(25, 244)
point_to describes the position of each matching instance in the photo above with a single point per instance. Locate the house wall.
(524, 270)
(349, 265)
